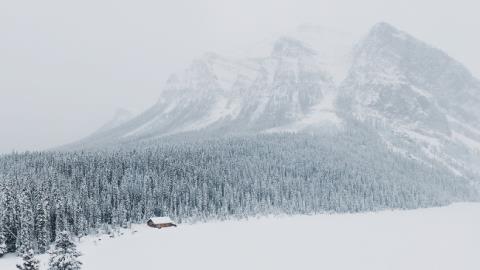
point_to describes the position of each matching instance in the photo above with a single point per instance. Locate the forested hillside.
(43, 193)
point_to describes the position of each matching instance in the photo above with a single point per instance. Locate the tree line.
(45, 193)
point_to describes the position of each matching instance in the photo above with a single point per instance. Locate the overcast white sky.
(66, 66)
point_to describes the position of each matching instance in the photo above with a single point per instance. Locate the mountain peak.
(384, 31)
(384, 27)
(289, 47)
(120, 116)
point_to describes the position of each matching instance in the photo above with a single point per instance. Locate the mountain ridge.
(419, 100)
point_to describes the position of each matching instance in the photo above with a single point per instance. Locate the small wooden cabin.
(160, 222)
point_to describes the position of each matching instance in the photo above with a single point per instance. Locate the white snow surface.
(470, 143)
(435, 238)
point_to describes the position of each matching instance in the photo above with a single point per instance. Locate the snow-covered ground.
(436, 238)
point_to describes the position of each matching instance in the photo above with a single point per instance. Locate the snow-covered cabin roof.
(158, 220)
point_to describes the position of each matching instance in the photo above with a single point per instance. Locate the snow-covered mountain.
(292, 87)
(421, 102)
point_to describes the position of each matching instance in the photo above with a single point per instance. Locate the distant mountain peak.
(384, 34)
(290, 47)
(120, 116)
(383, 27)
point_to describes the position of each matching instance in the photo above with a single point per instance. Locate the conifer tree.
(3, 244)
(29, 261)
(43, 236)
(64, 255)
(9, 220)
(24, 239)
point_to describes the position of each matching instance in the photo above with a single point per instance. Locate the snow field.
(435, 238)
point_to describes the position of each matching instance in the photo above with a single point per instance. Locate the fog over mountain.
(420, 101)
(67, 67)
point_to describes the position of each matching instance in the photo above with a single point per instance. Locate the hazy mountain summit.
(292, 86)
(416, 97)
(121, 116)
(420, 101)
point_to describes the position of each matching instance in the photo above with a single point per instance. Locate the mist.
(67, 66)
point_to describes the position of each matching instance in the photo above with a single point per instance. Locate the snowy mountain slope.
(289, 85)
(121, 116)
(416, 96)
(436, 238)
(422, 102)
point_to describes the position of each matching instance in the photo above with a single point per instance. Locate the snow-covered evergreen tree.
(9, 216)
(29, 261)
(41, 227)
(42, 194)
(25, 239)
(3, 244)
(64, 256)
